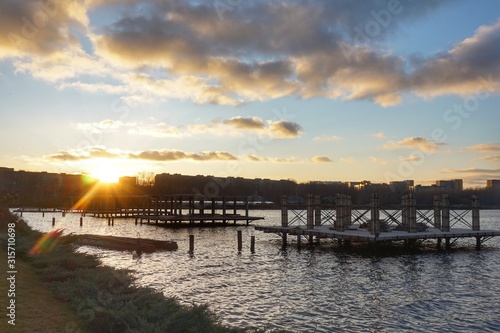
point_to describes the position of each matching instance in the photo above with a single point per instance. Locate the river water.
(317, 289)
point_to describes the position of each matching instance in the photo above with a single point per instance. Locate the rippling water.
(318, 289)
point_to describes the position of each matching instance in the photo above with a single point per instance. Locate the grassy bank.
(65, 291)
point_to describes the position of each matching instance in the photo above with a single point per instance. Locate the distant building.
(401, 185)
(424, 189)
(493, 183)
(127, 181)
(451, 185)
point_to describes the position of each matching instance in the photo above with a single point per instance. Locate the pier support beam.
(374, 227)
(447, 244)
(284, 217)
(478, 243)
(412, 213)
(445, 218)
(437, 212)
(475, 213)
(310, 215)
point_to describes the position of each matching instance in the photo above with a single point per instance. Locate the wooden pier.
(170, 210)
(375, 224)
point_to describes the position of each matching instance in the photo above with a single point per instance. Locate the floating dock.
(375, 225)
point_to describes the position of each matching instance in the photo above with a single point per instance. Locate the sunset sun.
(105, 171)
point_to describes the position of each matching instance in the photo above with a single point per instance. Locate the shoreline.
(97, 298)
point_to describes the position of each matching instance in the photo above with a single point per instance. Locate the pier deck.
(356, 234)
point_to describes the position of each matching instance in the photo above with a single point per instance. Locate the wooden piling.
(53, 221)
(478, 243)
(191, 243)
(252, 244)
(299, 242)
(81, 221)
(240, 241)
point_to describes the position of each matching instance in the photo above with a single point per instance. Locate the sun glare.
(105, 172)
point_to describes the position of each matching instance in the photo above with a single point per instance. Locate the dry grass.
(37, 308)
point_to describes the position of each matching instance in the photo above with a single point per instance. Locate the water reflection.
(318, 289)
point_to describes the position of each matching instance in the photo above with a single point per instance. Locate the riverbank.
(66, 291)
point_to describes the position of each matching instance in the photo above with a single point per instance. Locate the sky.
(332, 90)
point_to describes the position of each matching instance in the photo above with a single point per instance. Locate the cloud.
(377, 160)
(256, 158)
(285, 129)
(163, 155)
(159, 130)
(249, 123)
(107, 125)
(152, 51)
(416, 142)
(466, 69)
(379, 135)
(328, 138)
(174, 155)
(485, 148)
(85, 154)
(410, 158)
(489, 158)
(321, 159)
(40, 28)
(476, 176)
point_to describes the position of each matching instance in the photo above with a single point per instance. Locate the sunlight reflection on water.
(316, 289)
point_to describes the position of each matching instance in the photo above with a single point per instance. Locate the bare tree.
(146, 178)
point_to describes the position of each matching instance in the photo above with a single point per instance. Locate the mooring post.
(252, 240)
(284, 217)
(445, 218)
(53, 221)
(437, 212)
(81, 221)
(43, 214)
(240, 241)
(191, 243)
(475, 213)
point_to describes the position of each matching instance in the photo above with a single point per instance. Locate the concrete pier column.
(338, 207)
(317, 210)
(404, 212)
(412, 212)
(445, 218)
(475, 213)
(437, 212)
(310, 216)
(284, 217)
(348, 213)
(374, 227)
